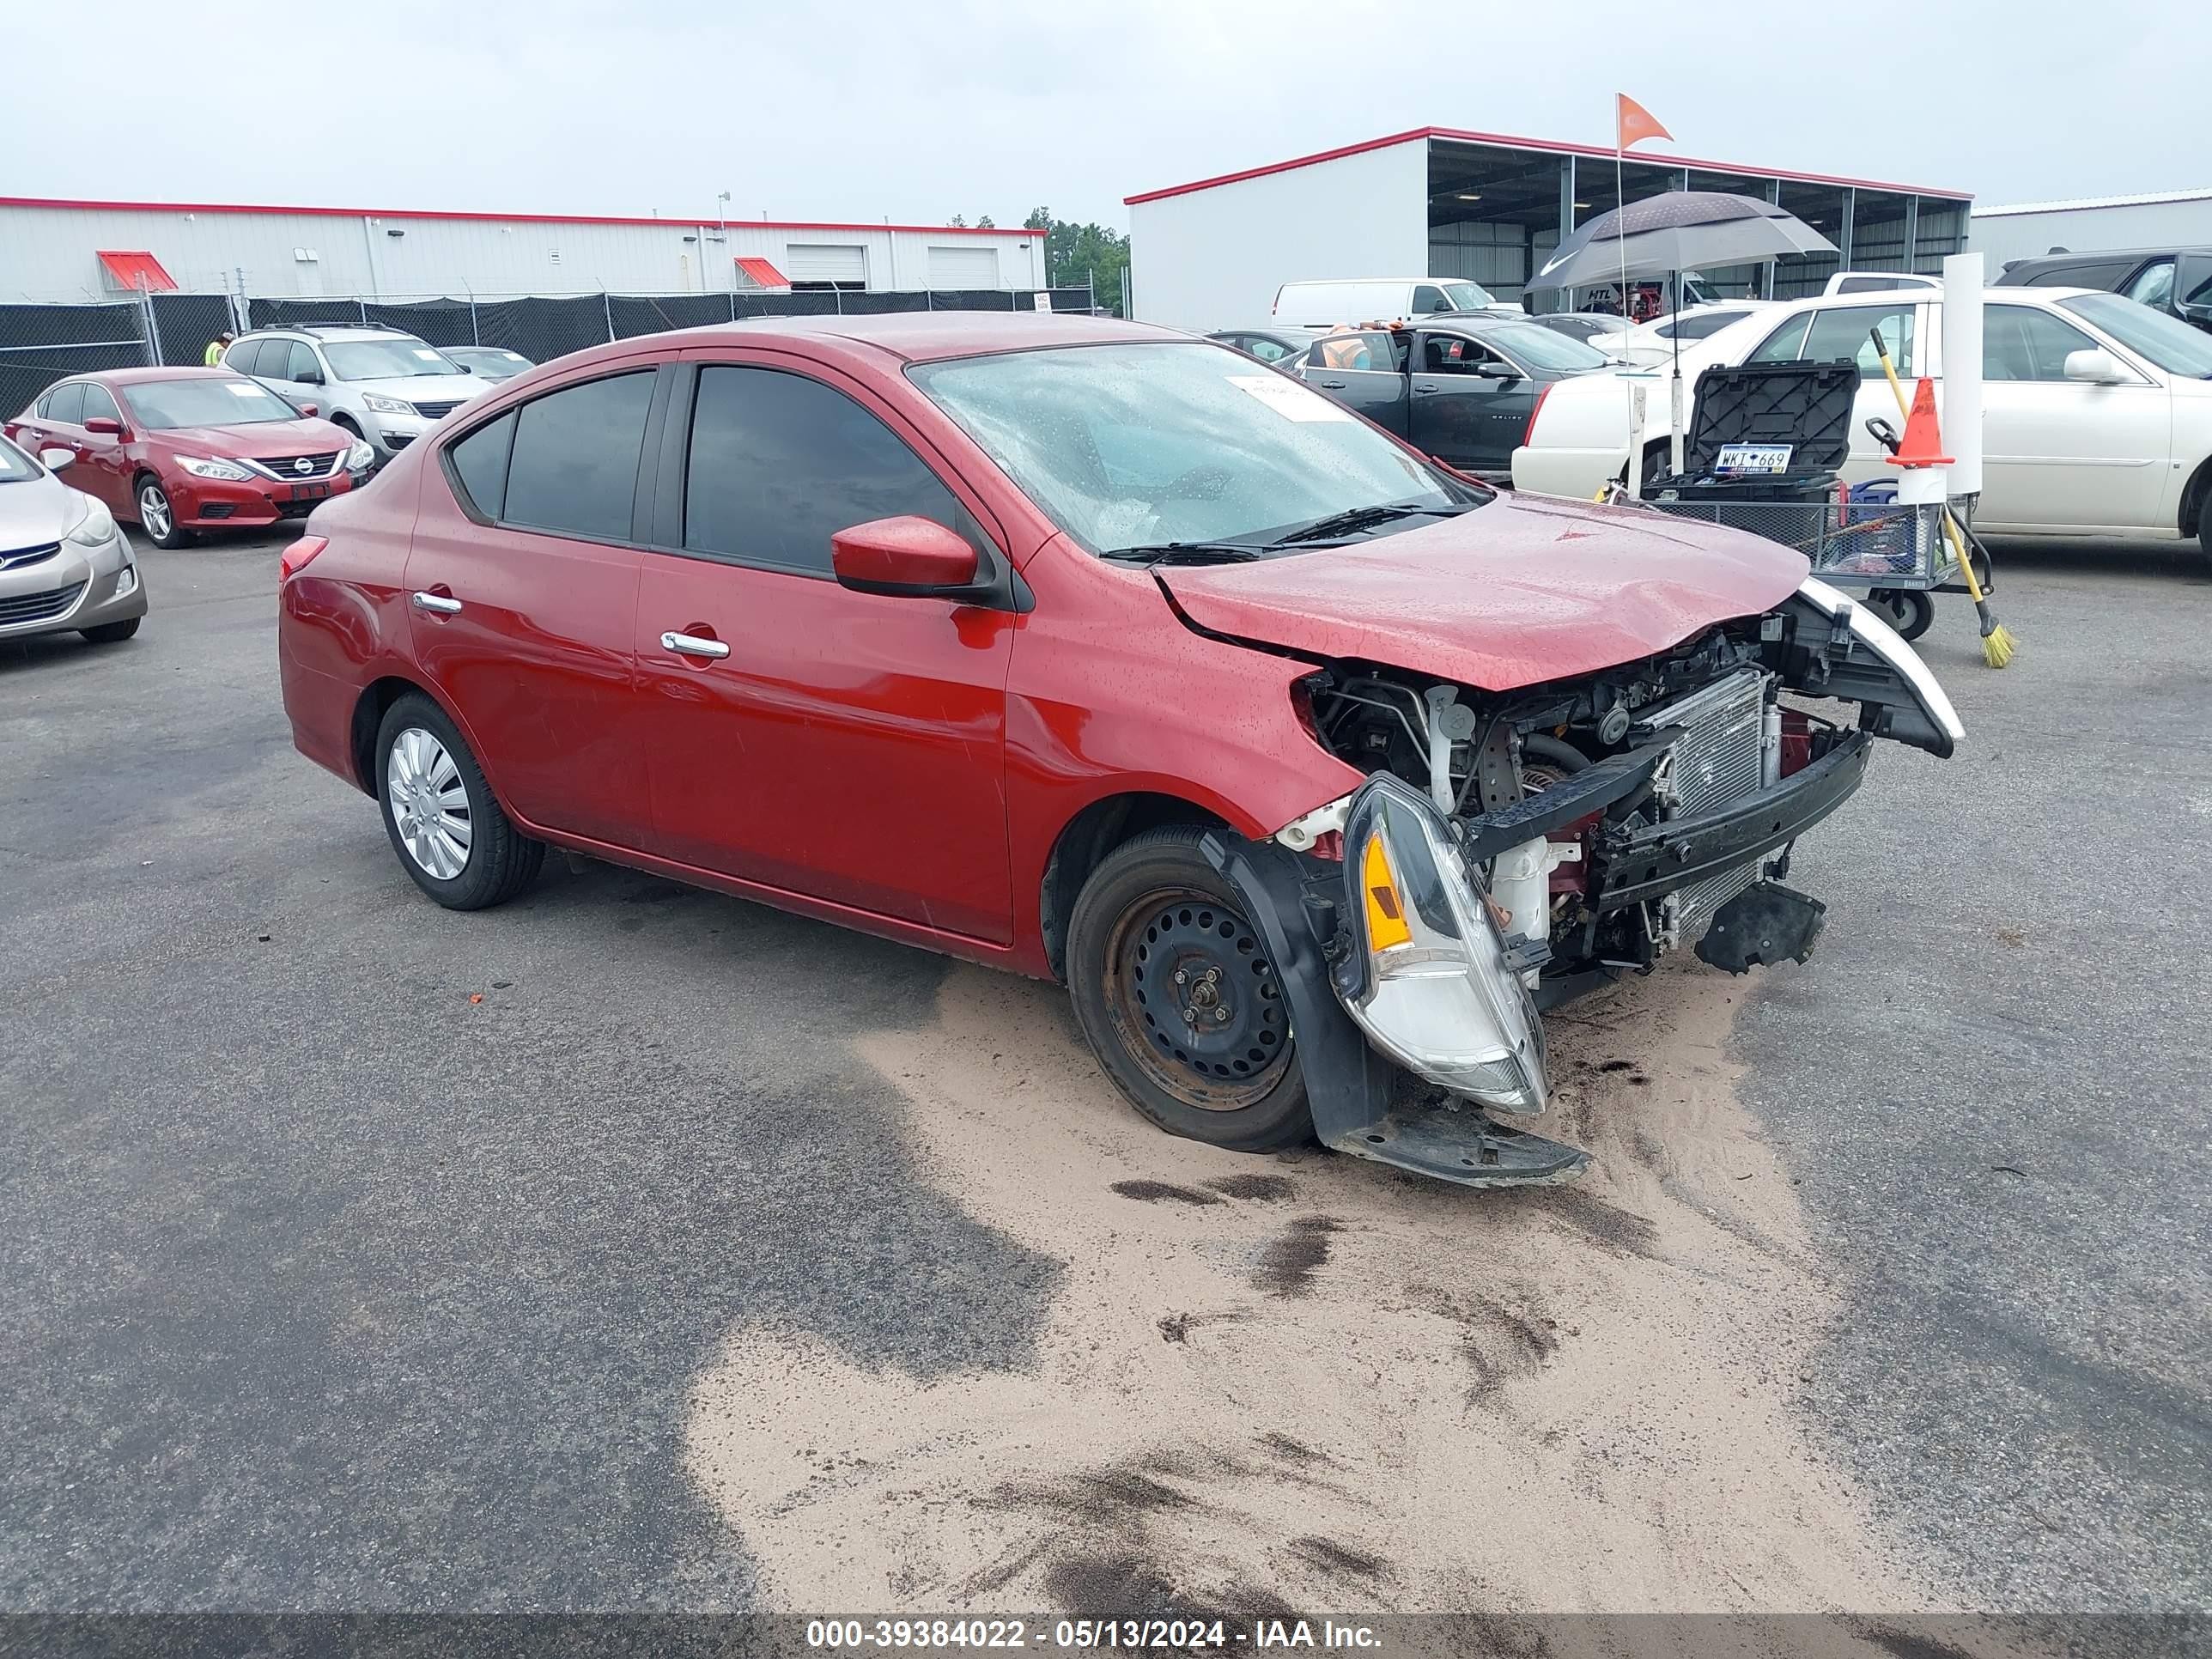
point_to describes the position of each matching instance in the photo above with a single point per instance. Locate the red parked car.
(1092, 651)
(177, 451)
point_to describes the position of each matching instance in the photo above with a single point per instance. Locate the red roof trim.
(494, 218)
(1548, 146)
(137, 270)
(763, 271)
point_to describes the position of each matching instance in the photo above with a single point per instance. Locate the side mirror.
(907, 556)
(312, 377)
(308, 410)
(55, 460)
(107, 424)
(1490, 370)
(2096, 365)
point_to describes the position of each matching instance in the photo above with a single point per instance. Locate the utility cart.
(1761, 456)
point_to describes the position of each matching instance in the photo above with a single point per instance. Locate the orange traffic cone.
(1923, 444)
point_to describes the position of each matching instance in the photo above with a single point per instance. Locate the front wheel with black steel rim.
(450, 833)
(157, 517)
(1179, 999)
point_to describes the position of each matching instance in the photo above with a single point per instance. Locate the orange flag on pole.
(1634, 122)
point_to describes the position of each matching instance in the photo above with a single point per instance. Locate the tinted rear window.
(480, 465)
(574, 469)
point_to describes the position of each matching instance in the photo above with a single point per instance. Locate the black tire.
(1153, 908)
(498, 860)
(158, 511)
(113, 633)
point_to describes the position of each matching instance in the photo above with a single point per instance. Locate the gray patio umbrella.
(1682, 230)
(1666, 235)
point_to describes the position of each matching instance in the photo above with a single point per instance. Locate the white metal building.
(2026, 230)
(1439, 202)
(51, 250)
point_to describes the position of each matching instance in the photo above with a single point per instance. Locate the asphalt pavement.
(357, 1256)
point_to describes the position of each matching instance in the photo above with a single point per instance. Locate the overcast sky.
(914, 111)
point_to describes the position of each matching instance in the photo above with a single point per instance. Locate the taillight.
(1528, 436)
(297, 556)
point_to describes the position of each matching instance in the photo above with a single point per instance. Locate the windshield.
(494, 360)
(1542, 348)
(163, 405)
(15, 465)
(385, 360)
(1140, 446)
(1467, 296)
(2173, 346)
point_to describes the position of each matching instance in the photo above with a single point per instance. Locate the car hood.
(1514, 593)
(36, 511)
(313, 437)
(421, 388)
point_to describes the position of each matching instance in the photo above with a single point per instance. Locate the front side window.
(164, 405)
(2168, 342)
(300, 363)
(779, 463)
(2019, 344)
(99, 405)
(1140, 445)
(1430, 298)
(2154, 287)
(1542, 348)
(573, 469)
(386, 359)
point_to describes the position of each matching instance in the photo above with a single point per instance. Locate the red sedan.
(178, 451)
(1092, 651)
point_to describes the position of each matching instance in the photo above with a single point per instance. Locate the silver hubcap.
(430, 803)
(153, 512)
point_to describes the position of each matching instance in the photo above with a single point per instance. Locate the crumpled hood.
(1514, 593)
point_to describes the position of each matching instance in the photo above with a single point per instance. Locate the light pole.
(730, 266)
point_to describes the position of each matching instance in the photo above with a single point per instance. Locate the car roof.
(330, 331)
(922, 336)
(142, 375)
(2095, 256)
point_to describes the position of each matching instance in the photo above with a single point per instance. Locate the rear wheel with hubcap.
(157, 517)
(449, 831)
(1175, 992)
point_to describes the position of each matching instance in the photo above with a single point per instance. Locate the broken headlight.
(1428, 979)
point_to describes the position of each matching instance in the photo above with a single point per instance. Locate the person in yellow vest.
(216, 348)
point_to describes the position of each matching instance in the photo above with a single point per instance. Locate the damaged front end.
(1511, 851)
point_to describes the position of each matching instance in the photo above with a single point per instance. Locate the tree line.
(1075, 254)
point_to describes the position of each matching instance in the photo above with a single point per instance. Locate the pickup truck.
(1463, 393)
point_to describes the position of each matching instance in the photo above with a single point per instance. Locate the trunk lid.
(1514, 593)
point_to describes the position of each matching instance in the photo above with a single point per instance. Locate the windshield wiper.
(1187, 553)
(1365, 518)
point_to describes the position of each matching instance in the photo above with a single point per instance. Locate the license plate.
(314, 492)
(1754, 458)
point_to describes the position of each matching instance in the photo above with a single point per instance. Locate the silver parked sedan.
(63, 565)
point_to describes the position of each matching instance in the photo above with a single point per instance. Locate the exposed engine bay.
(1613, 817)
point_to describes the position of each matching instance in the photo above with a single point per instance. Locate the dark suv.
(2176, 281)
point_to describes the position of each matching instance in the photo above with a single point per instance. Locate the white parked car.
(1381, 299)
(1646, 343)
(2096, 411)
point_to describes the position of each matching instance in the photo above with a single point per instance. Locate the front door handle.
(444, 604)
(1334, 385)
(1428, 388)
(690, 645)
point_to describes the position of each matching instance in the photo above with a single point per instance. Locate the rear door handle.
(690, 645)
(444, 604)
(1334, 385)
(1425, 389)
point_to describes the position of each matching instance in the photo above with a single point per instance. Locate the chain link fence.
(42, 343)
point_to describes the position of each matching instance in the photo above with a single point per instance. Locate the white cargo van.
(1381, 299)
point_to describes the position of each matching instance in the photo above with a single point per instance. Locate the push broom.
(1998, 643)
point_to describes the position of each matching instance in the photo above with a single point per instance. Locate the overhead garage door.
(964, 267)
(843, 264)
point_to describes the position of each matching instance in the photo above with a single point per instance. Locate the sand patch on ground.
(1313, 1382)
